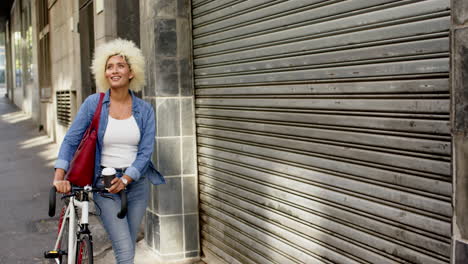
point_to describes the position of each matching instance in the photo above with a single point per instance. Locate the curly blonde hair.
(131, 53)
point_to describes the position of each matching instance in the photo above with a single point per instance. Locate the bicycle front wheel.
(84, 253)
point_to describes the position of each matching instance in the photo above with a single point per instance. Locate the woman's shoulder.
(92, 98)
(144, 105)
(90, 103)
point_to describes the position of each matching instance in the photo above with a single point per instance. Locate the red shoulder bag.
(81, 169)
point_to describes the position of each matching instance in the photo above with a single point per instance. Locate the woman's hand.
(62, 186)
(118, 185)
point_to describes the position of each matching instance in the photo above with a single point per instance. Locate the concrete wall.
(64, 44)
(172, 228)
(9, 60)
(22, 76)
(17, 61)
(35, 94)
(460, 129)
(105, 21)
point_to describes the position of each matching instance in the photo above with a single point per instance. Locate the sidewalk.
(26, 158)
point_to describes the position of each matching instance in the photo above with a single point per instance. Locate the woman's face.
(118, 72)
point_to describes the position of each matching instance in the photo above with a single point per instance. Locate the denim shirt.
(144, 116)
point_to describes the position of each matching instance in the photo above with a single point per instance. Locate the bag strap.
(97, 113)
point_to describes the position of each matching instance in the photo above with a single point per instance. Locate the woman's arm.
(75, 133)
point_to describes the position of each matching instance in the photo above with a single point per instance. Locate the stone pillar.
(128, 12)
(172, 228)
(459, 82)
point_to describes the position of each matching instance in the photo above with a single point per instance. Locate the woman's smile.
(118, 72)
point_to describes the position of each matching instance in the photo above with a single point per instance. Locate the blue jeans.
(123, 232)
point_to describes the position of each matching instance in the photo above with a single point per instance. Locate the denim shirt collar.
(135, 108)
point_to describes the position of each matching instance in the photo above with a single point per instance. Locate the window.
(44, 64)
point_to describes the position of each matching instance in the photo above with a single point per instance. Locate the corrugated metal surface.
(323, 130)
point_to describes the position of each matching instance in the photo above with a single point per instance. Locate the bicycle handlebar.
(52, 197)
(75, 189)
(123, 204)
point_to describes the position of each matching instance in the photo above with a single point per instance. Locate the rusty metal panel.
(323, 130)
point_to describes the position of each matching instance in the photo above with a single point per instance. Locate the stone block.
(174, 258)
(156, 233)
(188, 155)
(149, 236)
(156, 224)
(171, 234)
(191, 232)
(155, 199)
(188, 117)
(169, 197)
(461, 252)
(183, 7)
(165, 37)
(461, 195)
(190, 192)
(164, 8)
(186, 77)
(166, 77)
(184, 38)
(150, 197)
(144, 14)
(128, 13)
(150, 87)
(459, 12)
(168, 156)
(460, 79)
(168, 117)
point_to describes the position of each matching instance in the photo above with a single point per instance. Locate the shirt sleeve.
(145, 147)
(74, 135)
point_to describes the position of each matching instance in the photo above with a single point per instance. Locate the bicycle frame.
(74, 235)
(70, 213)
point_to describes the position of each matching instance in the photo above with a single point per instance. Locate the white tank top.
(120, 143)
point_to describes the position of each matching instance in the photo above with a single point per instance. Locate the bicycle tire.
(84, 254)
(63, 243)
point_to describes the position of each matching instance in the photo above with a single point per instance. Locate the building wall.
(21, 75)
(105, 21)
(34, 93)
(64, 47)
(28, 78)
(459, 84)
(9, 60)
(16, 58)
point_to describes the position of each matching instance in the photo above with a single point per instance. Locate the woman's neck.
(119, 95)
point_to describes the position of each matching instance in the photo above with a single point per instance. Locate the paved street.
(26, 159)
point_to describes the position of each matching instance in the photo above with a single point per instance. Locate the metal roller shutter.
(323, 130)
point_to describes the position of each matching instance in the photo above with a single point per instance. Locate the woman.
(125, 142)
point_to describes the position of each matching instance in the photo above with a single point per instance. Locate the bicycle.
(74, 238)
